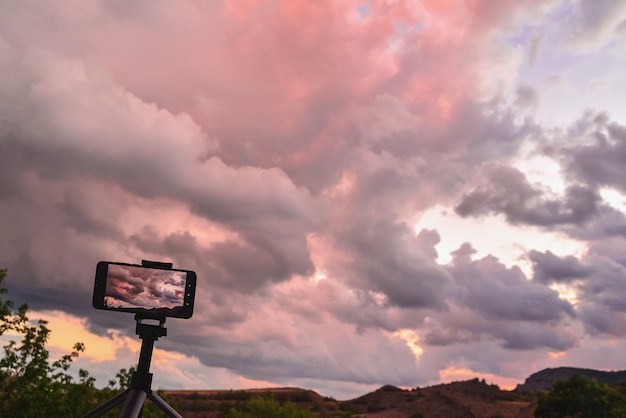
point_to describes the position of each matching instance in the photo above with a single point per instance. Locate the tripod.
(141, 380)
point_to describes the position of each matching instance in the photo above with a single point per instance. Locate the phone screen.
(137, 287)
(134, 288)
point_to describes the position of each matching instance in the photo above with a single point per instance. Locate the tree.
(582, 398)
(33, 386)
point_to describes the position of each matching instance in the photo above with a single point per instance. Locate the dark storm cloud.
(245, 264)
(503, 189)
(607, 224)
(602, 321)
(89, 220)
(52, 149)
(598, 282)
(550, 268)
(10, 173)
(526, 337)
(601, 158)
(606, 286)
(602, 307)
(491, 301)
(609, 247)
(467, 327)
(387, 257)
(498, 292)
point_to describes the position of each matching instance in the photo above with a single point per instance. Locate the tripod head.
(150, 330)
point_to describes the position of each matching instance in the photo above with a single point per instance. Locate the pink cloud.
(263, 143)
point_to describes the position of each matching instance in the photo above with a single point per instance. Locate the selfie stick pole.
(141, 382)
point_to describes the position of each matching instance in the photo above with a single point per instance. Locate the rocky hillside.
(544, 379)
(467, 399)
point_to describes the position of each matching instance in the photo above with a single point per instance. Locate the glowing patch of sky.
(455, 230)
(454, 374)
(614, 198)
(411, 339)
(566, 292)
(67, 330)
(539, 169)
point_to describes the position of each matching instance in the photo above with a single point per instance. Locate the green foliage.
(582, 398)
(31, 385)
(267, 407)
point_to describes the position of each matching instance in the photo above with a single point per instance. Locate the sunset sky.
(371, 192)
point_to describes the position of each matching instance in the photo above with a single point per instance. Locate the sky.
(371, 192)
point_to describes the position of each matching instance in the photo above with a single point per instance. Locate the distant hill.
(466, 399)
(544, 379)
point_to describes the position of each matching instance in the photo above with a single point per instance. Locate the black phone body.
(153, 291)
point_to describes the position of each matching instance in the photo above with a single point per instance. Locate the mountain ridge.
(473, 398)
(544, 379)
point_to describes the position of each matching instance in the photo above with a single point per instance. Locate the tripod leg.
(165, 407)
(107, 406)
(134, 403)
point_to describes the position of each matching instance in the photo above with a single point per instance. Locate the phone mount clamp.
(141, 381)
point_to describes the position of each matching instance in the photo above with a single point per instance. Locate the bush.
(267, 407)
(31, 385)
(582, 398)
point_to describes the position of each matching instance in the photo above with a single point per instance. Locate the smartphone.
(155, 291)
